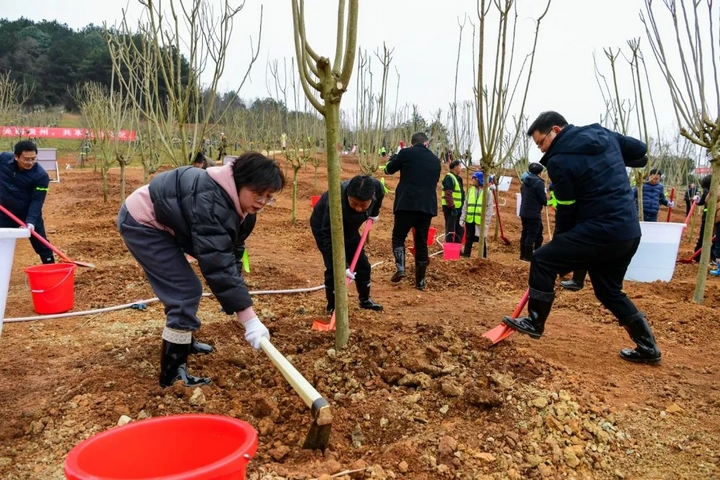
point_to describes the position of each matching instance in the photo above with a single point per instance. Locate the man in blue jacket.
(653, 196)
(596, 225)
(23, 188)
(415, 203)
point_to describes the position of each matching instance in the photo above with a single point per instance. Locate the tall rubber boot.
(577, 282)
(48, 259)
(330, 297)
(200, 347)
(539, 305)
(173, 366)
(526, 252)
(420, 268)
(399, 254)
(364, 296)
(646, 350)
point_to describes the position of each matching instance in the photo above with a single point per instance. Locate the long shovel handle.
(690, 213)
(303, 388)
(42, 240)
(672, 199)
(497, 210)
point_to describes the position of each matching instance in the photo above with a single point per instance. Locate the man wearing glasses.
(596, 225)
(23, 188)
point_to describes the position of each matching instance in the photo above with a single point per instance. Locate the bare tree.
(693, 81)
(495, 95)
(12, 97)
(329, 80)
(174, 45)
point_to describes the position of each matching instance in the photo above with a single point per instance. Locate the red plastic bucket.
(177, 447)
(451, 251)
(431, 235)
(314, 199)
(52, 286)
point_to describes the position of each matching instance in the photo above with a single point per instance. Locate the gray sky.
(424, 34)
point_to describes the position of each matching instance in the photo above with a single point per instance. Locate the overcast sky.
(424, 34)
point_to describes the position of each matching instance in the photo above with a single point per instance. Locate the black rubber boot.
(49, 259)
(577, 282)
(399, 254)
(539, 305)
(365, 300)
(330, 297)
(646, 350)
(526, 252)
(420, 268)
(467, 249)
(173, 366)
(200, 347)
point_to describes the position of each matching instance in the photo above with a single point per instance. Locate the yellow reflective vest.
(474, 206)
(457, 192)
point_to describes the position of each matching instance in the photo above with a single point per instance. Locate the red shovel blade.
(502, 331)
(324, 326)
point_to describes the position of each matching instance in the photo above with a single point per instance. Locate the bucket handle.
(27, 284)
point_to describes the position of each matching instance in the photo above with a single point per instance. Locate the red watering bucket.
(177, 447)
(52, 286)
(431, 235)
(314, 199)
(451, 251)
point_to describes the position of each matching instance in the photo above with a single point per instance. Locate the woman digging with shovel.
(201, 213)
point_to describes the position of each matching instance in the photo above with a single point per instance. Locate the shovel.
(60, 254)
(319, 434)
(694, 255)
(502, 331)
(323, 326)
(672, 199)
(497, 210)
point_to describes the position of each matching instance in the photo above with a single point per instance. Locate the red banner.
(67, 133)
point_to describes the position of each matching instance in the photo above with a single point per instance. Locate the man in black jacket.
(415, 203)
(361, 199)
(23, 188)
(534, 199)
(596, 225)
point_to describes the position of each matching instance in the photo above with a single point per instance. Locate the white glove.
(349, 274)
(462, 224)
(696, 198)
(374, 219)
(671, 204)
(254, 331)
(30, 226)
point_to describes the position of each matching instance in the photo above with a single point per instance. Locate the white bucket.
(7, 251)
(518, 200)
(656, 256)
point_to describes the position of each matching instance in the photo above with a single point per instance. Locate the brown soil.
(415, 394)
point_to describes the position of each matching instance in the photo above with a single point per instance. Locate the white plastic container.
(7, 252)
(518, 202)
(656, 256)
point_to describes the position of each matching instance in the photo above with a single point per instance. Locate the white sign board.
(503, 184)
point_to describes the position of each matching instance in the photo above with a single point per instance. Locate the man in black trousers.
(596, 225)
(415, 203)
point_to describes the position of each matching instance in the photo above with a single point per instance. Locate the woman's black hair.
(705, 182)
(535, 168)
(361, 187)
(255, 171)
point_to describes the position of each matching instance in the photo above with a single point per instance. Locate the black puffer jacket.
(207, 226)
(534, 197)
(587, 168)
(352, 220)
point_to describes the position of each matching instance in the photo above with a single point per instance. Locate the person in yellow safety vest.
(452, 201)
(471, 215)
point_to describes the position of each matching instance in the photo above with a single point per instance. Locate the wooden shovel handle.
(303, 388)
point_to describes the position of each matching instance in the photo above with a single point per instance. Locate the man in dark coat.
(534, 199)
(415, 203)
(596, 225)
(361, 199)
(23, 188)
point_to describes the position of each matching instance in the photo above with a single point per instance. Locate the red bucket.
(314, 199)
(431, 235)
(451, 251)
(52, 286)
(177, 447)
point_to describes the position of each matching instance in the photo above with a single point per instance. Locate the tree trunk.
(711, 202)
(122, 182)
(332, 135)
(293, 216)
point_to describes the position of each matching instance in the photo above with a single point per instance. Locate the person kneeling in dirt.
(471, 215)
(201, 213)
(361, 198)
(596, 225)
